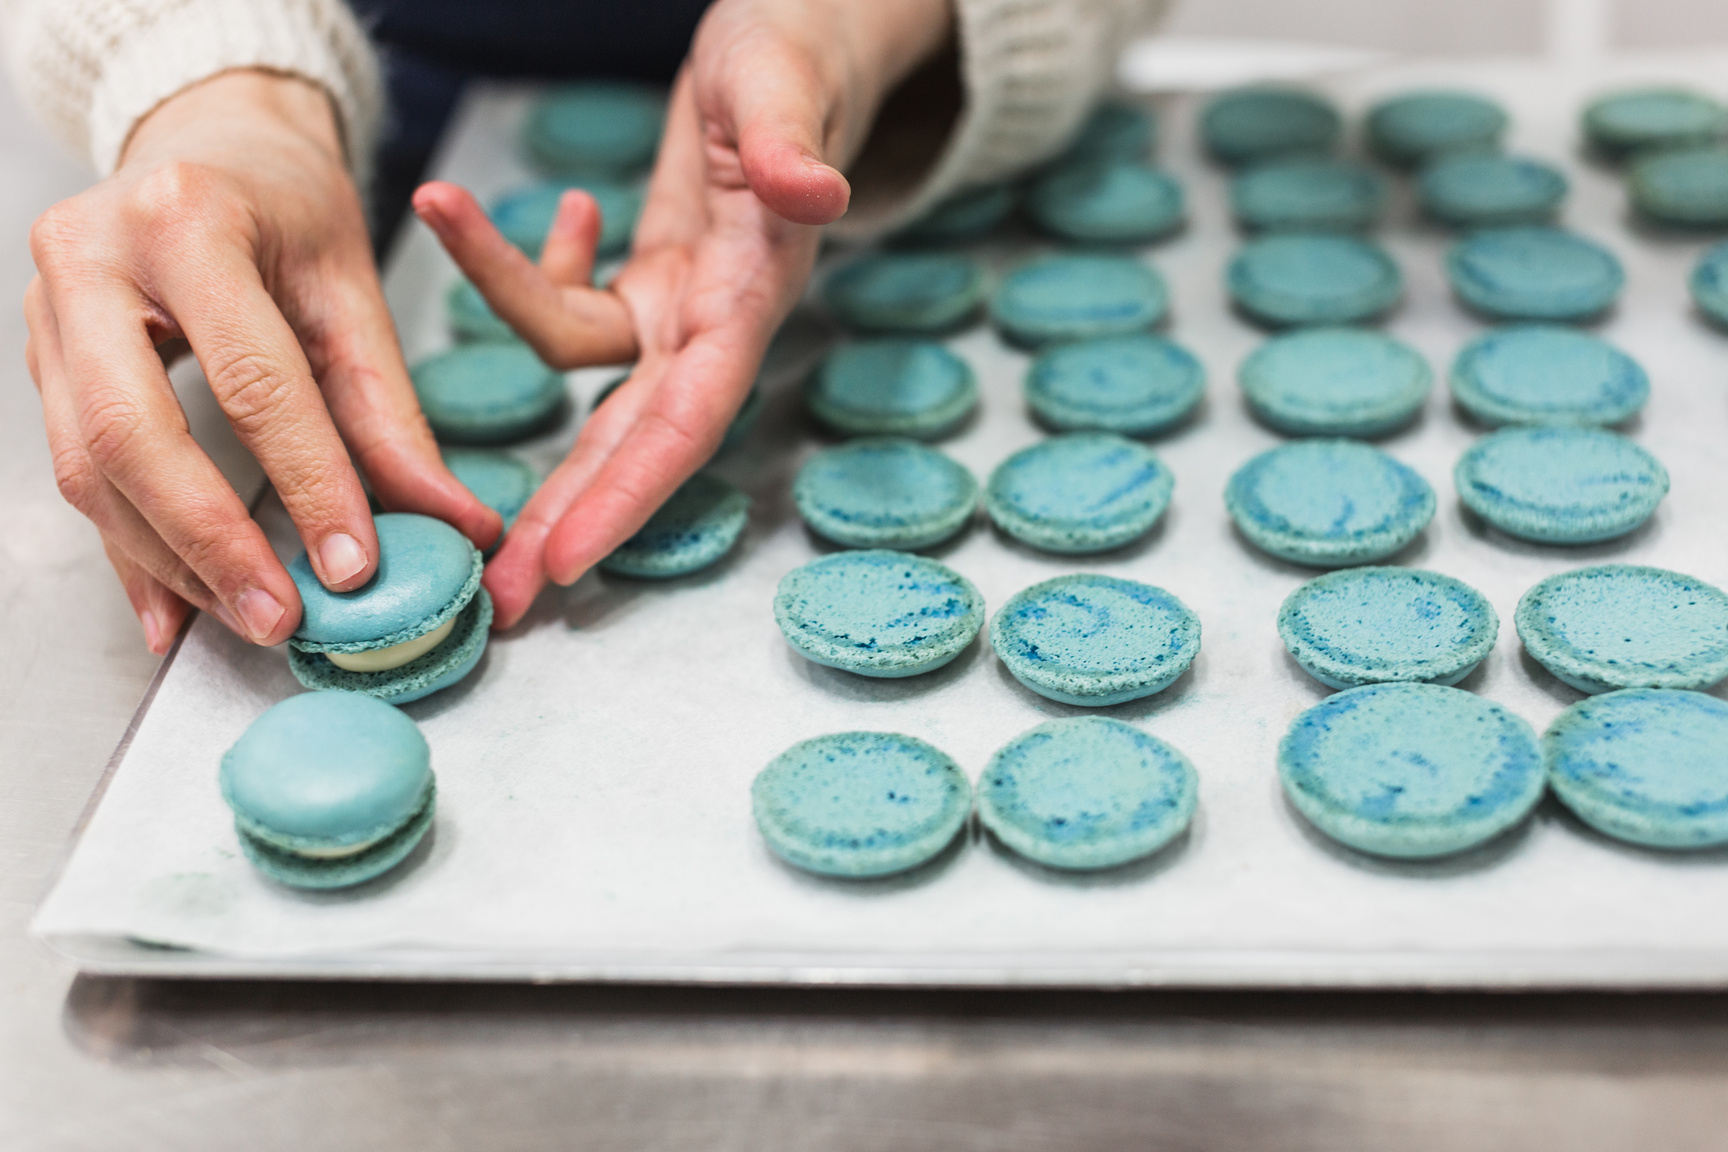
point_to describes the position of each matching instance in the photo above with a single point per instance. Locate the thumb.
(778, 111)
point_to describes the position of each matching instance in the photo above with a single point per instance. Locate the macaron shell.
(1104, 201)
(486, 393)
(1639, 118)
(1079, 493)
(1335, 382)
(1417, 126)
(1683, 187)
(892, 387)
(697, 526)
(1534, 273)
(1709, 283)
(1560, 485)
(1378, 625)
(1328, 503)
(1308, 194)
(878, 613)
(1132, 385)
(599, 126)
(471, 318)
(498, 480)
(1626, 626)
(453, 658)
(525, 215)
(905, 292)
(1547, 374)
(1263, 122)
(1481, 190)
(884, 493)
(427, 571)
(1116, 131)
(1078, 297)
(1295, 278)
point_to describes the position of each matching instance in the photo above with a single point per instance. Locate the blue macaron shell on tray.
(1294, 278)
(1083, 492)
(878, 613)
(1134, 385)
(1626, 626)
(1560, 485)
(1373, 625)
(1335, 382)
(1328, 503)
(1546, 374)
(1534, 273)
(882, 492)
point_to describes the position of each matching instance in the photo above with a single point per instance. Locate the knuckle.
(58, 234)
(175, 192)
(109, 420)
(249, 387)
(77, 478)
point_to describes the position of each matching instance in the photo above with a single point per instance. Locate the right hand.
(231, 226)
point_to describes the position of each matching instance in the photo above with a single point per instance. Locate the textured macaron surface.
(1081, 492)
(1547, 374)
(1653, 117)
(860, 804)
(878, 613)
(1415, 126)
(498, 480)
(1308, 193)
(1104, 200)
(1087, 792)
(595, 126)
(905, 291)
(427, 571)
(1486, 189)
(489, 392)
(891, 387)
(1135, 385)
(1560, 484)
(1626, 626)
(1684, 186)
(1095, 640)
(1709, 282)
(1328, 502)
(1646, 765)
(1079, 297)
(1257, 123)
(1534, 273)
(525, 215)
(694, 528)
(1335, 382)
(1313, 278)
(1410, 770)
(882, 492)
(1373, 625)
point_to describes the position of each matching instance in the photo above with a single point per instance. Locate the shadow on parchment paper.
(1138, 711)
(1133, 872)
(882, 689)
(1466, 863)
(1580, 554)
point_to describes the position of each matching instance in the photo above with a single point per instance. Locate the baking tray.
(594, 819)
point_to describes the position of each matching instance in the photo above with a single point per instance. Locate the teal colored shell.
(1685, 187)
(1249, 125)
(1376, 625)
(1080, 297)
(1116, 131)
(696, 526)
(1560, 485)
(860, 804)
(1626, 626)
(492, 392)
(498, 480)
(1095, 640)
(1132, 385)
(1094, 200)
(326, 771)
(452, 659)
(1315, 194)
(1644, 765)
(471, 318)
(1087, 793)
(1335, 382)
(892, 387)
(1415, 127)
(1484, 190)
(1546, 374)
(884, 493)
(1534, 273)
(1297, 278)
(878, 613)
(1709, 283)
(1328, 503)
(427, 571)
(1079, 493)
(603, 127)
(1634, 120)
(962, 218)
(1412, 771)
(525, 215)
(906, 292)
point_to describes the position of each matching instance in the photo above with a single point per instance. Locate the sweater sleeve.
(1028, 71)
(92, 69)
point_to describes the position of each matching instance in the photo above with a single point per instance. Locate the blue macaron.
(420, 624)
(1296, 278)
(1416, 127)
(1534, 273)
(1683, 187)
(525, 215)
(1314, 194)
(1560, 485)
(892, 387)
(1095, 640)
(1078, 297)
(498, 480)
(1375, 625)
(598, 127)
(968, 215)
(1098, 200)
(1087, 793)
(1411, 771)
(884, 492)
(1335, 382)
(906, 292)
(1116, 131)
(697, 525)
(1626, 626)
(1646, 119)
(1546, 374)
(1250, 125)
(1328, 503)
(1132, 385)
(1644, 765)
(1709, 283)
(878, 613)
(471, 318)
(1079, 493)
(329, 789)
(1486, 190)
(490, 392)
(860, 804)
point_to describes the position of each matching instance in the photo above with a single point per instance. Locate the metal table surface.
(143, 1065)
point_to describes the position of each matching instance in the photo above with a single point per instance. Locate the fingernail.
(341, 557)
(152, 631)
(261, 612)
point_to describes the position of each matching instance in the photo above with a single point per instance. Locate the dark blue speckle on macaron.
(1412, 771)
(1328, 503)
(860, 804)
(1416, 127)
(1534, 273)
(329, 789)
(491, 392)
(1709, 283)
(892, 387)
(471, 318)
(1095, 640)
(1547, 374)
(1560, 485)
(1078, 297)
(525, 216)
(498, 480)
(1315, 194)
(1486, 190)
(1376, 625)
(1639, 119)
(1626, 626)
(1682, 188)
(1295, 278)
(1087, 793)
(1645, 765)
(906, 292)
(597, 127)
(878, 613)
(962, 218)
(696, 526)
(1335, 382)
(884, 492)
(1132, 385)
(1250, 125)
(1080, 493)
(1104, 201)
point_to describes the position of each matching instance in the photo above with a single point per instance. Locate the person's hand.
(777, 95)
(232, 227)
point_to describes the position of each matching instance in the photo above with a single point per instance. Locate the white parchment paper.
(594, 816)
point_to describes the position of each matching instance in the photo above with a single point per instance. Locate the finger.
(160, 611)
(569, 327)
(675, 212)
(775, 116)
(567, 257)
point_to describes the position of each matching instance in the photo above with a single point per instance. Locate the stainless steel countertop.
(146, 1065)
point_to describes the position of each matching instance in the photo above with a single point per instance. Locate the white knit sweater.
(92, 69)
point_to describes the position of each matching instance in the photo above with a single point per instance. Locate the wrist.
(246, 99)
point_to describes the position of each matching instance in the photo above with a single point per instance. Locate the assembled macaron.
(488, 392)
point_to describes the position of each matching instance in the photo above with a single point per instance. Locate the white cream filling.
(336, 853)
(384, 659)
